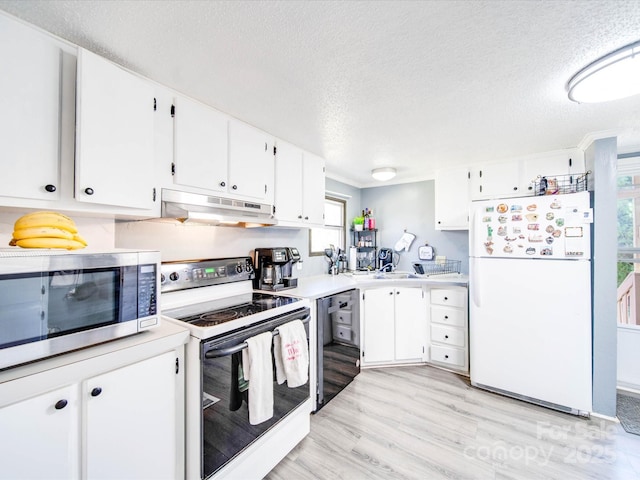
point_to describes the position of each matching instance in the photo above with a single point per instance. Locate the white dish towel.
(291, 353)
(258, 371)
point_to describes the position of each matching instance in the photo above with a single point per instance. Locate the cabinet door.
(496, 180)
(114, 135)
(30, 97)
(378, 325)
(251, 162)
(41, 437)
(288, 186)
(551, 165)
(452, 199)
(200, 146)
(411, 324)
(313, 189)
(131, 426)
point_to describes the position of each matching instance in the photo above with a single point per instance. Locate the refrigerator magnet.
(516, 218)
(549, 229)
(573, 232)
(486, 219)
(555, 205)
(533, 226)
(546, 251)
(559, 222)
(503, 208)
(516, 208)
(532, 207)
(507, 249)
(549, 240)
(535, 238)
(517, 230)
(530, 251)
(557, 233)
(502, 230)
(502, 219)
(549, 216)
(488, 209)
(532, 217)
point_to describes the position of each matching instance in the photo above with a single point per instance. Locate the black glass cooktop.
(259, 303)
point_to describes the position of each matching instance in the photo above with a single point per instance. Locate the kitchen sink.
(394, 275)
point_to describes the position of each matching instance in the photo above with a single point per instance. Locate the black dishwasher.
(338, 344)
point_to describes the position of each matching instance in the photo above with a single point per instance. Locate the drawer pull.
(60, 404)
(446, 336)
(446, 317)
(446, 356)
(446, 298)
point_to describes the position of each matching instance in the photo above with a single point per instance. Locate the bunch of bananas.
(46, 230)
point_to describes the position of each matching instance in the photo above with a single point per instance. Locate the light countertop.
(319, 286)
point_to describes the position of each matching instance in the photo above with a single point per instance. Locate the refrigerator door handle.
(473, 283)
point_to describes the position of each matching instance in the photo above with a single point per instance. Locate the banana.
(48, 242)
(46, 219)
(80, 239)
(35, 232)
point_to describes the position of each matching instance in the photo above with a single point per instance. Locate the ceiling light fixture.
(614, 76)
(382, 174)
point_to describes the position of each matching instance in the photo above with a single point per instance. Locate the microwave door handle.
(225, 352)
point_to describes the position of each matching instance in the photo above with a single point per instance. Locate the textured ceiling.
(417, 85)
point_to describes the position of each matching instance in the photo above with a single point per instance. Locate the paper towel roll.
(353, 258)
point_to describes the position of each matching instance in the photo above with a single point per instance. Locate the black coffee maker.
(274, 268)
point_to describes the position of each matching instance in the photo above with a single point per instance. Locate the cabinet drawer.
(448, 316)
(449, 296)
(448, 335)
(344, 317)
(449, 355)
(343, 332)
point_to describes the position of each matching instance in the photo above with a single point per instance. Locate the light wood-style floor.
(425, 423)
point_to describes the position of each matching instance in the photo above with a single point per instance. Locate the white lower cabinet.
(449, 345)
(394, 325)
(123, 423)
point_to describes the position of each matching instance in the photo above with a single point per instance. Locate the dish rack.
(561, 184)
(440, 268)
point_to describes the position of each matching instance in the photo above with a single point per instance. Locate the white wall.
(629, 357)
(410, 206)
(178, 241)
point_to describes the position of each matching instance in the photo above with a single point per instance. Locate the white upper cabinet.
(452, 199)
(114, 135)
(496, 180)
(200, 146)
(299, 187)
(30, 96)
(251, 163)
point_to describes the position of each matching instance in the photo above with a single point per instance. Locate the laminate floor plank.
(426, 423)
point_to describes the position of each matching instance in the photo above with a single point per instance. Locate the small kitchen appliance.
(274, 268)
(215, 300)
(53, 301)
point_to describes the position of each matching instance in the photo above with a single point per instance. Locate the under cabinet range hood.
(207, 209)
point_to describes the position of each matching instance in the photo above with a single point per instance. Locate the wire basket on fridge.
(561, 184)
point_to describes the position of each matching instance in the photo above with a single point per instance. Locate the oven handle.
(223, 352)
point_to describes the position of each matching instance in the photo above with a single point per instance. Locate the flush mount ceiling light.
(382, 174)
(614, 76)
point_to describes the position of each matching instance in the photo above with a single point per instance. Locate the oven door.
(226, 430)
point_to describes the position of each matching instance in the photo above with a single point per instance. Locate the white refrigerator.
(530, 299)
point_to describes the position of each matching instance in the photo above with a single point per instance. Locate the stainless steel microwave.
(52, 302)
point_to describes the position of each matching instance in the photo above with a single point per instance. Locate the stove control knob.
(238, 268)
(162, 278)
(174, 276)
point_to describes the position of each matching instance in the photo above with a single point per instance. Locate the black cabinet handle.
(300, 217)
(446, 336)
(446, 356)
(515, 188)
(96, 391)
(88, 191)
(223, 184)
(390, 293)
(446, 317)
(235, 187)
(50, 188)
(60, 404)
(446, 298)
(306, 218)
